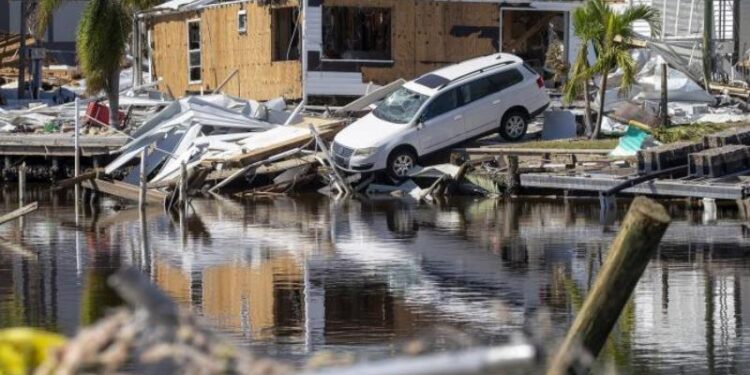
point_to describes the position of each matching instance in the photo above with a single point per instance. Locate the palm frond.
(625, 62)
(102, 34)
(43, 15)
(645, 13)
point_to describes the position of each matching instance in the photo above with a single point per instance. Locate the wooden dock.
(25, 144)
(601, 182)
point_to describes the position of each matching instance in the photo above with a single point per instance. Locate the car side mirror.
(420, 121)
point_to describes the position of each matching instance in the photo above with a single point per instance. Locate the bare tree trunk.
(113, 95)
(600, 118)
(587, 108)
(22, 50)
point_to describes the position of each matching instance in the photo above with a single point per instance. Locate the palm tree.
(606, 30)
(587, 32)
(103, 31)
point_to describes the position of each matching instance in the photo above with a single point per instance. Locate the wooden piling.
(183, 186)
(142, 195)
(21, 184)
(513, 180)
(637, 240)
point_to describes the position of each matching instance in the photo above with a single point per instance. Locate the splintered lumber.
(639, 236)
(666, 156)
(70, 182)
(325, 128)
(124, 190)
(727, 137)
(718, 162)
(27, 209)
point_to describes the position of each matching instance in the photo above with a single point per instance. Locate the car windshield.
(400, 106)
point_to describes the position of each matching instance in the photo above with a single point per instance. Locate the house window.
(285, 31)
(357, 33)
(194, 51)
(242, 22)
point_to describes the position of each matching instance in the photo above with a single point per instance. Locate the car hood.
(369, 131)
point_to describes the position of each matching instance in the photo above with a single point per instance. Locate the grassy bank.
(597, 144)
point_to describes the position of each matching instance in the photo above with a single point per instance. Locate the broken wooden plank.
(123, 190)
(326, 130)
(70, 182)
(27, 209)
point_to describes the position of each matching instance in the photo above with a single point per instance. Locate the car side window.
(444, 103)
(476, 90)
(503, 80)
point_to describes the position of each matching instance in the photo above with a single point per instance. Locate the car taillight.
(540, 81)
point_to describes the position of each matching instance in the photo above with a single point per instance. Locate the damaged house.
(325, 48)
(310, 49)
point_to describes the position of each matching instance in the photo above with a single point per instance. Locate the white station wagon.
(496, 93)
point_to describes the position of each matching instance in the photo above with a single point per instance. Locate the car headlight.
(364, 152)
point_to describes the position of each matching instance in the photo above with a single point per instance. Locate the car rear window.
(432, 80)
(530, 69)
(489, 85)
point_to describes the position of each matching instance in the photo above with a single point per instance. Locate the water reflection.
(289, 277)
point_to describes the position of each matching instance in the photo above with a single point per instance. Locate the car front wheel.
(400, 162)
(513, 126)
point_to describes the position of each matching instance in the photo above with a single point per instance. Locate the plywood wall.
(428, 34)
(425, 35)
(223, 51)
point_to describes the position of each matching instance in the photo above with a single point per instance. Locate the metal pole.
(142, 196)
(76, 148)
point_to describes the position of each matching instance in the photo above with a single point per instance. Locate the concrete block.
(666, 156)
(727, 137)
(718, 162)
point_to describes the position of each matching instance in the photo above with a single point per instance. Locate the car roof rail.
(482, 70)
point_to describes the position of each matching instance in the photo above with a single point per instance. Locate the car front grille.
(341, 154)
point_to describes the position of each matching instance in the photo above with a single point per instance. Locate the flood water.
(291, 277)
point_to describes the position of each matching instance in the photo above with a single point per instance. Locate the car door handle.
(496, 101)
(458, 117)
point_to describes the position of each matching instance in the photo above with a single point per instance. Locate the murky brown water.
(292, 277)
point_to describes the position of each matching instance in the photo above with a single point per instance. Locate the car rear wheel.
(400, 162)
(513, 126)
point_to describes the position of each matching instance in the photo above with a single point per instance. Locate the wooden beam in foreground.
(637, 240)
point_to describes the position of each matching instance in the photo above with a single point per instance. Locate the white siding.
(314, 25)
(327, 83)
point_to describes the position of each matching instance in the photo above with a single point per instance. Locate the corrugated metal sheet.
(681, 18)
